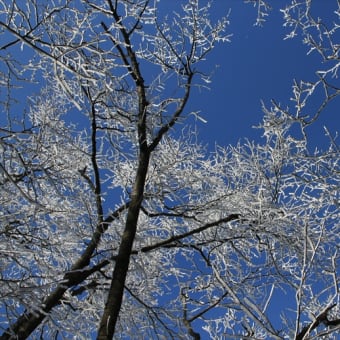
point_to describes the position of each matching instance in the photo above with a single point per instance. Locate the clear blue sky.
(257, 64)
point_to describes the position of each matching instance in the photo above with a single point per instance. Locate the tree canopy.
(115, 221)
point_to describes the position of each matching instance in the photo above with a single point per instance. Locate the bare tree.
(115, 221)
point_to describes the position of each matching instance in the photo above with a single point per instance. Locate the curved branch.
(175, 238)
(30, 320)
(320, 319)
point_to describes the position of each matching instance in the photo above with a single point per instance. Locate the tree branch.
(29, 321)
(321, 319)
(175, 238)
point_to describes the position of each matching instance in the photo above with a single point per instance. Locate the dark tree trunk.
(115, 295)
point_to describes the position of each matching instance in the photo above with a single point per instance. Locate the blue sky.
(256, 65)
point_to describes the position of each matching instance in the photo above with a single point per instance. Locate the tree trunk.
(115, 296)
